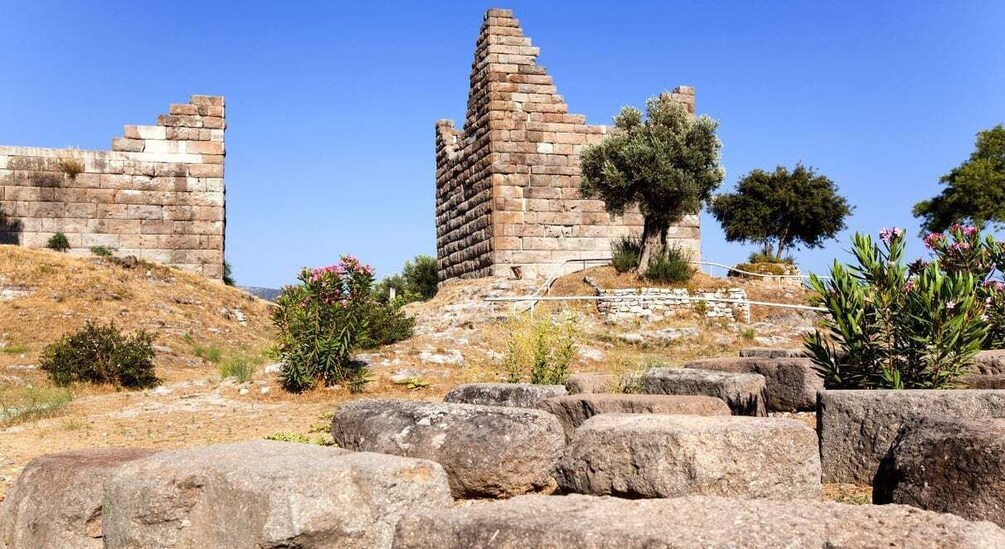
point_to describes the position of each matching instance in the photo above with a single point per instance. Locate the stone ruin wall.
(157, 195)
(507, 184)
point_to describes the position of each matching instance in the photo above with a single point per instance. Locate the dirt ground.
(198, 323)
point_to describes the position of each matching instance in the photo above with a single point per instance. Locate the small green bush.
(625, 253)
(539, 350)
(228, 275)
(670, 266)
(102, 251)
(761, 257)
(58, 242)
(418, 281)
(239, 366)
(386, 324)
(101, 354)
(209, 353)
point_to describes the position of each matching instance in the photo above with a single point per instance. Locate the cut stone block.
(573, 410)
(984, 381)
(744, 393)
(592, 383)
(857, 428)
(662, 456)
(56, 501)
(267, 494)
(948, 465)
(487, 451)
(519, 395)
(990, 362)
(791, 384)
(698, 521)
(769, 352)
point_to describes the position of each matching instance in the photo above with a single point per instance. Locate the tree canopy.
(782, 208)
(667, 164)
(975, 190)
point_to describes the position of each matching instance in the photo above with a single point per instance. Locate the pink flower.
(969, 230)
(933, 239)
(909, 286)
(888, 234)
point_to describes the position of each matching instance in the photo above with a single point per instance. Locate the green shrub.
(330, 314)
(539, 350)
(671, 265)
(102, 251)
(239, 366)
(418, 281)
(101, 354)
(228, 275)
(625, 253)
(761, 268)
(889, 328)
(58, 242)
(209, 353)
(761, 257)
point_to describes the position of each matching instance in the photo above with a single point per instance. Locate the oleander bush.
(891, 326)
(324, 319)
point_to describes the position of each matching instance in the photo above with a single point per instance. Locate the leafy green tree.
(667, 164)
(421, 276)
(782, 208)
(975, 190)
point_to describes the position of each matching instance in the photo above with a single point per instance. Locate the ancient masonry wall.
(661, 303)
(157, 195)
(507, 195)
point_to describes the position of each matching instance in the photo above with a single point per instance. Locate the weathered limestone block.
(659, 456)
(769, 352)
(744, 393)
(574, 410)
(519, 395)
(949, 465)
(697, 521)
(791, 384)
(267, 494)
(592, 383)
(857, 428)
(984, 381)
(990, 363)
(56, 502)
(487, 451)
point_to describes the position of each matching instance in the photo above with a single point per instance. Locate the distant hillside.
(268, 294)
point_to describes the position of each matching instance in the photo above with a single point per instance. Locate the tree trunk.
(654, 240)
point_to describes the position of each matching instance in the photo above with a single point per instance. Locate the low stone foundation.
(660, 303)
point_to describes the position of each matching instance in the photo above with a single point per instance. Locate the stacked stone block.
(158, 194)
(507, 197)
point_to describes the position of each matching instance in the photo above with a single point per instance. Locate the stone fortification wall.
(157, 195)
(507, 185)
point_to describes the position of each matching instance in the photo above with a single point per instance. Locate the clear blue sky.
(331, 105)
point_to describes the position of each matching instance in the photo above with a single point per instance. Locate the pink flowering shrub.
(890, 326)
(325, 318)
(963, 249)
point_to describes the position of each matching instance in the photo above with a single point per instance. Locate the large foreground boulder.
(744, 393)
(56, 502)
(857, 428)
(487, 451)
(661, 456)
(573, 410)
(948, 465)
(791, 384)
(600, 522)
(519, 395)
(267, 494)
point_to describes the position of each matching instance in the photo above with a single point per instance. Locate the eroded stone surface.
(56, 502)
(857, 428)
(658, 456)
(948, 465)
(744, 393)
(267, 494)
(519, 395)
(791, 384)
(601, 522)
(772, 352)
(487, 451)
(592, 383)
(573, 410)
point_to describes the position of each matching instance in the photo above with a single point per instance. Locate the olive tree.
(666, 163)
